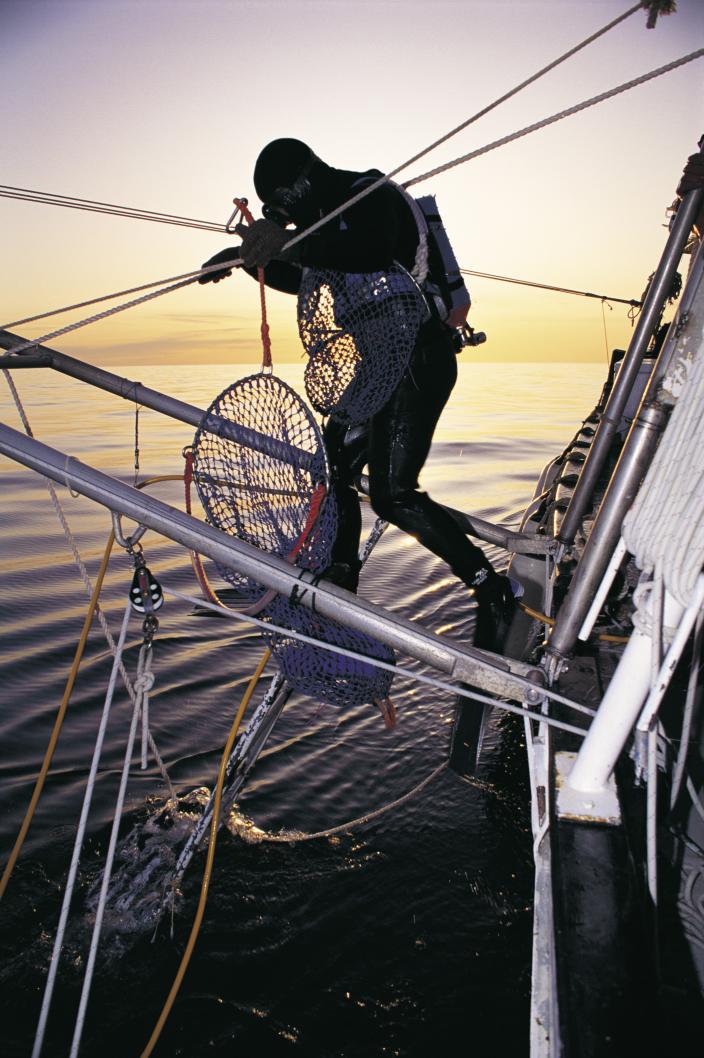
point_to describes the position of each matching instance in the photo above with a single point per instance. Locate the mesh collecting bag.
(262, 475)
(359, 331)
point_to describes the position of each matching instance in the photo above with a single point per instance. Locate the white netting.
(664, 530)
(359, 331)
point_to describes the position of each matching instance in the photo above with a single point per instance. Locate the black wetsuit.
(368, 238)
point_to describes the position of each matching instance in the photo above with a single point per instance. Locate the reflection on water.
(380, 943)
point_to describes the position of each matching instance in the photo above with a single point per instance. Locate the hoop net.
(263, 476)
(359, 331)
(328, 676)
(261, 471)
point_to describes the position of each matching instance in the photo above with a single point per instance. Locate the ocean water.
(399, 938)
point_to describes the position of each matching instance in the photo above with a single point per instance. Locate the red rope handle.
(266, 339)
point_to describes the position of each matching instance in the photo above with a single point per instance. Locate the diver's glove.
(224, 257)
(262, 241)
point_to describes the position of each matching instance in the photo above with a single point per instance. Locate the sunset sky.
(165, 104)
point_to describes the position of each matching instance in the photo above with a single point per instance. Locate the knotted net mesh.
(333, 678)
(262, 474)
(260, 468)
(359, 331)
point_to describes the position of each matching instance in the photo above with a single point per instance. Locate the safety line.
(207, 873)
(399, 670)
(542, 286)
(78, 841)
(24, 194)
(559, 116)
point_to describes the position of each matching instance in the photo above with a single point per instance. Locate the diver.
(297, 188)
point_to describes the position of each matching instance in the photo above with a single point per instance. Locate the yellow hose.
(58, 723)
(197, 922)
(603, 636)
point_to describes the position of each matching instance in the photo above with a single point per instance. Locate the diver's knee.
(393, 505)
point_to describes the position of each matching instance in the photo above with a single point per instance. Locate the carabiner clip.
(128, 542)
(240, 205)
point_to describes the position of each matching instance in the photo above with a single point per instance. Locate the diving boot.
(497, 605)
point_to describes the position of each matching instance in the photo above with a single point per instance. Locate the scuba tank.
(438, 272)
(444, 284)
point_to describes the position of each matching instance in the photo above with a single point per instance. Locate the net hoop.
(262, 474)
(359, 331)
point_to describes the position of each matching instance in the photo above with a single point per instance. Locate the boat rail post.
(616, 716)
(651, 313)
(637, 453)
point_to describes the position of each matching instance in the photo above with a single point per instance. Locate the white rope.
(559, 116)
(465, 124)
(78, 843)
(94, 319)
(664, 529)
(142, 685)
(102, 901)
(433, 681)
(71, 540)
(103, 297)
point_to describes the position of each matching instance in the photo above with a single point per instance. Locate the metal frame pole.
(45, 356)
(650, 315)
(492, 673)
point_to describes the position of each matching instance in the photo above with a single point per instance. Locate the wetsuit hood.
(287, 177)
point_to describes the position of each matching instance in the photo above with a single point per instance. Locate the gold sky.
(165, 107)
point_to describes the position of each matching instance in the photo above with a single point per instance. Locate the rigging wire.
(50, 198)
(145, 214)
(378, 183)
(543, 286)
(10, 191)
(568, 112)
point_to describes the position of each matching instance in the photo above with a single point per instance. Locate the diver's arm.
(363, 239)
(279, 275)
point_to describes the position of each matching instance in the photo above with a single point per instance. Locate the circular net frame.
(258, 464)
(359, 331)
(258, 474)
